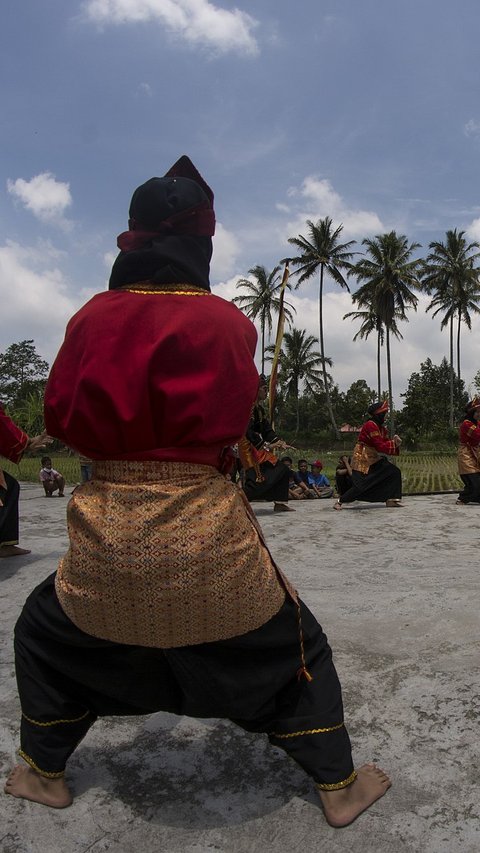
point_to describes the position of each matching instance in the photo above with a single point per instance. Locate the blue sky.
(365, 111)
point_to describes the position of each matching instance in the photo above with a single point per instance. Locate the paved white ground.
(397, 592)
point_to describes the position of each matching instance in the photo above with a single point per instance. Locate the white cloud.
(472, 128)
(473, 230)
(43, 196)
(108, 259)
(198, 22)
(227, 289)
(264, 239)
(34, 297)
(226, 251)
(145, 90)
(318, 199)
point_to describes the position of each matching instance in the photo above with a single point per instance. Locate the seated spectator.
(343, 475)
(50, 479)
(301, 479)
(318, 481)
(296, 491)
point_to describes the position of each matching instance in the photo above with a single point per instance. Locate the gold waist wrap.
(468, 462)
(165, 554)
(363, 457)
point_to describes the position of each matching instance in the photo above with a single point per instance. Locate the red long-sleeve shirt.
(13, 440)
(372, 440)
(153, 375)
(469, 441)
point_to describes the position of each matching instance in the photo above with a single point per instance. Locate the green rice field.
(29, 468)
(421, 472)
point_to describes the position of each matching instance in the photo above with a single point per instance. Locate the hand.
(39, 441)
(279, 443)
(397, 440)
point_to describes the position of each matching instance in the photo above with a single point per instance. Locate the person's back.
(193, 354)
(167, 572)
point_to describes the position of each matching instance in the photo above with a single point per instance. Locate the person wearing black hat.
(375, 479)
(168, 598)
(266, 477)
(468, 453)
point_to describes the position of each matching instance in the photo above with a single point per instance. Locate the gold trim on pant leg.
(37, 769)
(336, 786)
(55, 722)
(308, 732)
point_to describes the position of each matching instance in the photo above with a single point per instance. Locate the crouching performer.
(374, 478)
(167, 571)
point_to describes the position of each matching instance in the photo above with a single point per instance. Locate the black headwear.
(471, 406)
(378, 411)
(171, 223)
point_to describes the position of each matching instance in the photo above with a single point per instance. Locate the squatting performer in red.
(167, 571)
(374, 478)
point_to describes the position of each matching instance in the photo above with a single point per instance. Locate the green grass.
(421, 472)
(29, 468)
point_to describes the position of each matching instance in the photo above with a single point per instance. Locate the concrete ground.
(397, 592)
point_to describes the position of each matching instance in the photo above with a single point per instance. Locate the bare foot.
(343, 806)
(337, 505)
(278, 506)
(26, 783)
(392, 502)
(12, 551)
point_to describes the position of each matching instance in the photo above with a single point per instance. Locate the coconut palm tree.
(451, 274)
(389, 274)
(370, 322)
(323, 252)
(298, 362)
(262, 300)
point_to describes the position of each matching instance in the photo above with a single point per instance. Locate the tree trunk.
(379, 374)
(263, 345)
(297, 406)
(458, 345)
(322, 354)
(451, 371)
(390, 391)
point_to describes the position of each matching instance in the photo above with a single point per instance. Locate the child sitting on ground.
(296, 491)
(318, 481)
(301, 479)
(50, 479)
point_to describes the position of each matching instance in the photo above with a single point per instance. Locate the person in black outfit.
(343, 475)
(269, 479)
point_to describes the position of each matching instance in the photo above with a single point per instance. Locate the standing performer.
(374, 478)
(269, 478)
(468, 461)
(13, 444)
(167, 571)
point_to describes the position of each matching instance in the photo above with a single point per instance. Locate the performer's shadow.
(185, 772)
